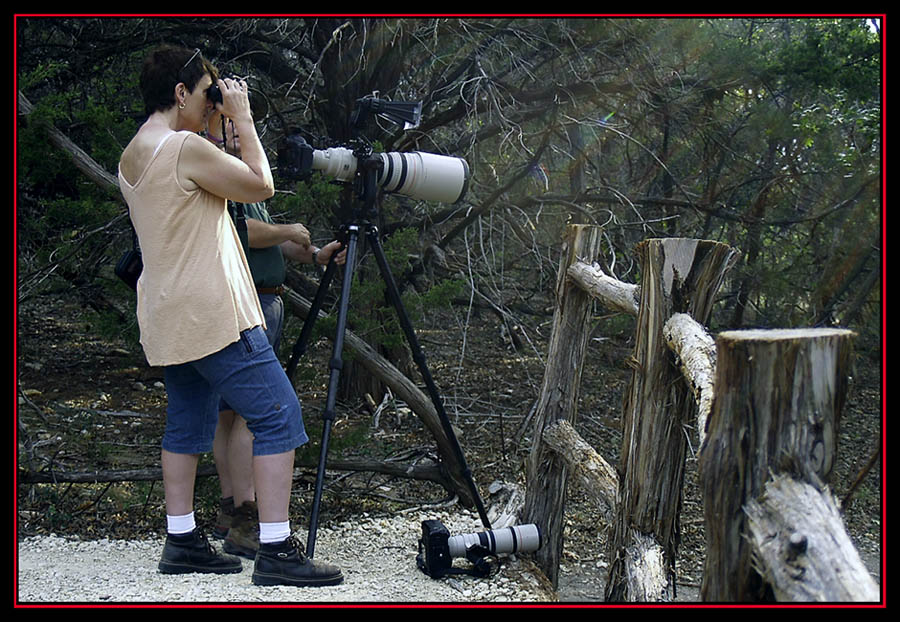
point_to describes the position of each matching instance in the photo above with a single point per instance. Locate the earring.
(181, 106)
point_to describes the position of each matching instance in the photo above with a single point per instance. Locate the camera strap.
(236, 211)
(477, 556)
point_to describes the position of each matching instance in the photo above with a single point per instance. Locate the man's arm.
(293, 240)
(263, 234)
(312, 254)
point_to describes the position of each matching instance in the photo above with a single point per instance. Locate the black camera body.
(417, 175)
(129, 267)
(434, 554)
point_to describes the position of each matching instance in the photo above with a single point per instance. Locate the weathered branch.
(596, 476)
(85, 163)
(404, 389)
(696, 353)
(801, 548)
(610, 291)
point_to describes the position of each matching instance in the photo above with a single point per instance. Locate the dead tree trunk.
(545, 498)
(678, 276)
(779, 394)
(801, 548)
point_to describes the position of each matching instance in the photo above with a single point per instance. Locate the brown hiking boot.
(224, 519)
(243, 536)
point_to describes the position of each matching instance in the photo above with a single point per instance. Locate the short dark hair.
(165, 67)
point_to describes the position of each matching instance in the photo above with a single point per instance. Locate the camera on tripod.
(437, 548)
(418, 174)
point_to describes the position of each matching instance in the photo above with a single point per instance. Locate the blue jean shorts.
(273, 311)
(248, 375)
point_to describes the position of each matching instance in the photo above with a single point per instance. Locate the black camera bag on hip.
(130, 264)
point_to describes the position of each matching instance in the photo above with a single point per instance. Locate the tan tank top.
(195, 295)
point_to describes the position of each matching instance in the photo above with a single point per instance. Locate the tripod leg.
(419, 358)
(335, 366)
(303, 341)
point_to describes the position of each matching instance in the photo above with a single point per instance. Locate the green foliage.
(312, 201)
(372, 315)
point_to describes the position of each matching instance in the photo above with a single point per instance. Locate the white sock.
(270, 533)
(181, 524)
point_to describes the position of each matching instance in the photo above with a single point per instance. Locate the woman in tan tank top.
(196, 280)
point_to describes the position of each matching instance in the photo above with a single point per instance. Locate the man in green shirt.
(267, 245)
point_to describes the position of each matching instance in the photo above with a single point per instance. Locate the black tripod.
(350, 235)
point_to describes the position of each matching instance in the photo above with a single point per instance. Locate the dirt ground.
(88, 403)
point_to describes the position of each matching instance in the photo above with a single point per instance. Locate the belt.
(270, 290)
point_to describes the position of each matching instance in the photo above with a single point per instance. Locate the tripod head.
(369, 167)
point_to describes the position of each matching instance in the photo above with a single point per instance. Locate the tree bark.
(779, 394)
(546, 472)
(678, 275)
(801, 548)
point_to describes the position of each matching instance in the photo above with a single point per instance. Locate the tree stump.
(777, 404)
(678, 276)
(545, 498)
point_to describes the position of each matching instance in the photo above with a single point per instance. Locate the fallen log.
(801, 548)
(427, 472)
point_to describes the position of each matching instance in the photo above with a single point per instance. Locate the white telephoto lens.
(425, 176)
(517, 539)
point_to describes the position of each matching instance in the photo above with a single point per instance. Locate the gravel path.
(377, 556)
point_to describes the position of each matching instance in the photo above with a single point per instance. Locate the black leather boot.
(192, 552)
(285, 563)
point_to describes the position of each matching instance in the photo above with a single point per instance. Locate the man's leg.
(240, 529)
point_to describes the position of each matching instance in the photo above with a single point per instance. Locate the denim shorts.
(273, 311)
(248, 375)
